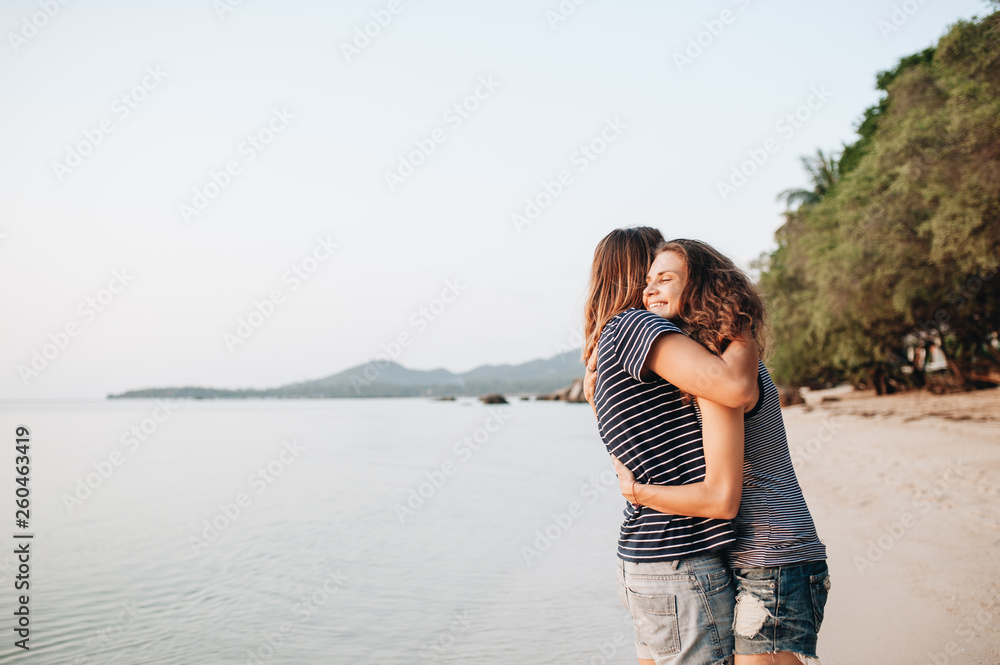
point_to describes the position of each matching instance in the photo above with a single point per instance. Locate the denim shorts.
(780, 608)
(682, 610)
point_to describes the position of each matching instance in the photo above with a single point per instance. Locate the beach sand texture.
(908, 504)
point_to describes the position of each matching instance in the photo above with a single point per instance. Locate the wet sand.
(905, 490)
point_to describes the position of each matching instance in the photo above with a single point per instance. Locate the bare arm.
(729, 380)
(718, 496)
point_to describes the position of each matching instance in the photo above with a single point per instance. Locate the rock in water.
(571, 393)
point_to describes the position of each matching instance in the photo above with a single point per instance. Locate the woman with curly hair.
(778, 562)
(672, 576)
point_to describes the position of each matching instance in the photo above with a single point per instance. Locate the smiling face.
(664, 285)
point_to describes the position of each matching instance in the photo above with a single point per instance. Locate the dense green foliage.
(898, 243)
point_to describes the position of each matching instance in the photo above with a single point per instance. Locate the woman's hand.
(590, 386)
(626, 480)
(590, 380)
(718, 495)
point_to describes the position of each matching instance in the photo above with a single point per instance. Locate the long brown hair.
(617, 278)
(719, 301)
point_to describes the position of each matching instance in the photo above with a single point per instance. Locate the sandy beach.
(905, 490)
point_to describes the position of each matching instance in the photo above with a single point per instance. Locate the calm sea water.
(314, 531)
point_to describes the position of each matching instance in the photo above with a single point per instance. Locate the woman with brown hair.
(778, 562)
(671, 574)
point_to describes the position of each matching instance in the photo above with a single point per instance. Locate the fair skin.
(665, 283)
(729, 379)
(725, 388)
(725, 379)
(718, 496)
(686, 363)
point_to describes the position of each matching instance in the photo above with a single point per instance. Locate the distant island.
(389, 379)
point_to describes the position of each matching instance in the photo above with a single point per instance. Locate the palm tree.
(823, 173)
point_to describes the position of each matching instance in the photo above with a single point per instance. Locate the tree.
(899, 240)
(823, 174)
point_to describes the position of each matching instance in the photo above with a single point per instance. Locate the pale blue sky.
(323, 175)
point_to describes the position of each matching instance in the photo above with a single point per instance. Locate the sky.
(249, 193)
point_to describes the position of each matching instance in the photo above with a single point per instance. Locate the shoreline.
(905, 493)
(974, 405)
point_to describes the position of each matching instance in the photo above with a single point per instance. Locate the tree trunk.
(878, 380)
(992, 376)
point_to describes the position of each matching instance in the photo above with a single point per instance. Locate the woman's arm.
(718, 496)
(729, 380)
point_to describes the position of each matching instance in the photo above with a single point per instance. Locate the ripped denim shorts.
(780, 608)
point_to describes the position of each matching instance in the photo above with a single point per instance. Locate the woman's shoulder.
(636, 318)
(633, 331)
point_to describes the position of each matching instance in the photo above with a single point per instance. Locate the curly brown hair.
(719, 301)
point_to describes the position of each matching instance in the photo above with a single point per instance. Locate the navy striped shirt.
(773, 527)
(644, 423)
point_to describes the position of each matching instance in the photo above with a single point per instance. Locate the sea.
(308, 531)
